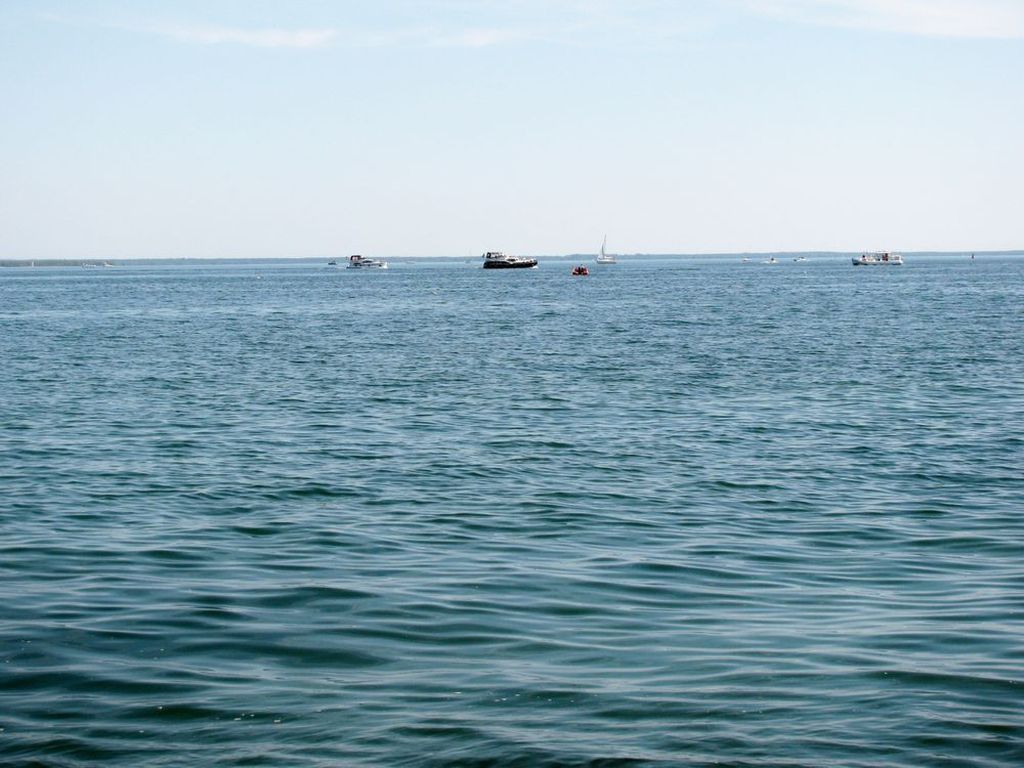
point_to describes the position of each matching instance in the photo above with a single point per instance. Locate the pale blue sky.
(450, 127)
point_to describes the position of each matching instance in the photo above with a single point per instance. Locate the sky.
(317, 128)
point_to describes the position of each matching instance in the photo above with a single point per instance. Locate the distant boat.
(332, 263)
(770, 260)
(361, 262)
(744, 260)
(800, 258)
(498, 260)
(877, 258)
(580, 271)
(605, 258)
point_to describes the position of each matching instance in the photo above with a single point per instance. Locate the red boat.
(580, 270)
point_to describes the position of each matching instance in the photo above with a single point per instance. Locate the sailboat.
(605, 258)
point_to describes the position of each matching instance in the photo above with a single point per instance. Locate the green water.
(677, 513)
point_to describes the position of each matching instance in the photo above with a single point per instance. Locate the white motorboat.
(877, 258)
(361, 262)
(770, 260)
(498, 260)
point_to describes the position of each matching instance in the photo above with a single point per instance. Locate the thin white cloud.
(476, 24)
(279, 37)
(439, 37)
(933, 18)
(262, 38)
(266, 37)
(604, 22)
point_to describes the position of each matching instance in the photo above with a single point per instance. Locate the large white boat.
(877, 258)
(605, 258)
(498, 260)
(361, 262)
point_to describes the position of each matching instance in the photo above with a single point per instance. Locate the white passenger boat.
(877, 258)
(361, 262)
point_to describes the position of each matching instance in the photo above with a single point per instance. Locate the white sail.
(605, 258)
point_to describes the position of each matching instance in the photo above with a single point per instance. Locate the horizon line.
(10, 262)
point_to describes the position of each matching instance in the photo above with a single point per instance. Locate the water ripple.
(672, 515)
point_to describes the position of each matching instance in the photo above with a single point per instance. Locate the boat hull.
(360, 262)
(877, 259)
(524, 264)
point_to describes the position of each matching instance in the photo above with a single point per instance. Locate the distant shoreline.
(90, 262)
